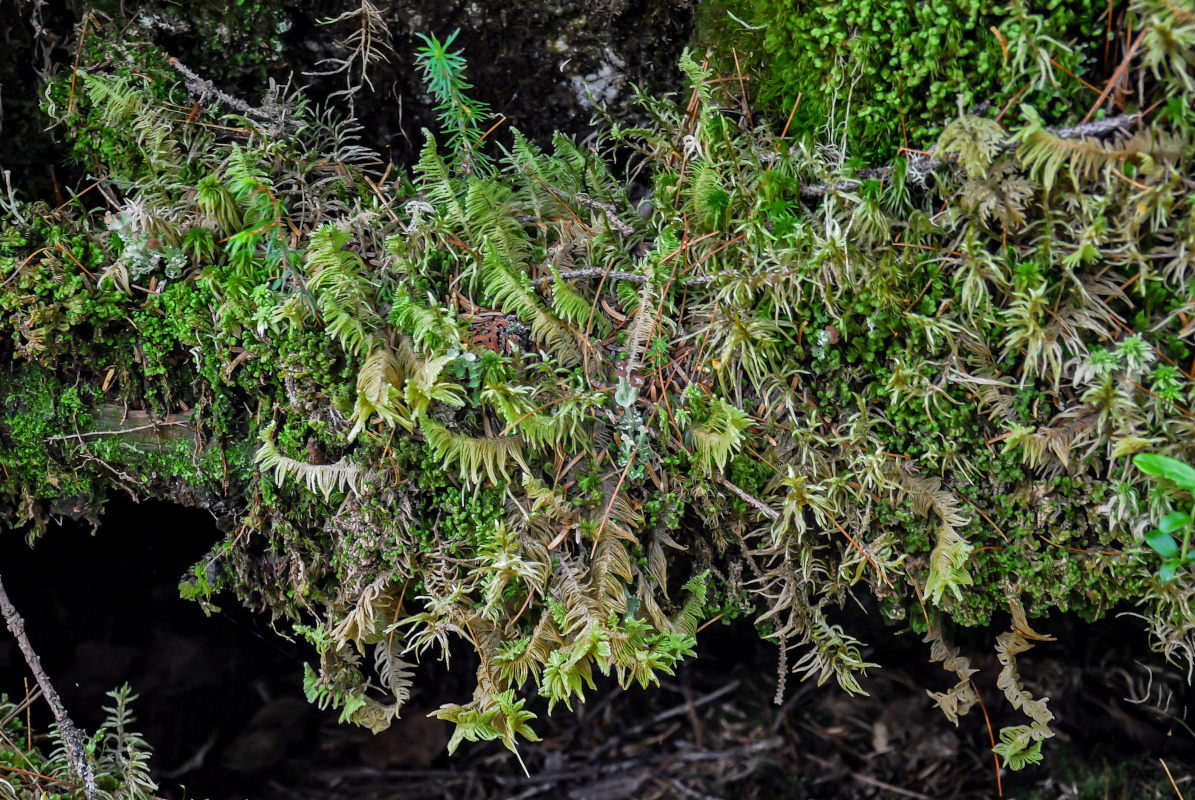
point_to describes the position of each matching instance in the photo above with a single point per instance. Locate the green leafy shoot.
(460, 115)
(1177, 525)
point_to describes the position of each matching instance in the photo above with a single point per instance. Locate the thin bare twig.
(923, 163)
(117, 432)
(72, 737)
(202, 88)
(750, 500)
(888, 787)
(1171, 777)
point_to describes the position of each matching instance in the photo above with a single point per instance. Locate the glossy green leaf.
(1175, 520)
(1162, 543)
(1182, 475)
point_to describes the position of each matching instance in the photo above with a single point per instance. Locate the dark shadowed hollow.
(104, 609)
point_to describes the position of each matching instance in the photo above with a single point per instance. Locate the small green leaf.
(1183, 475)
(1162, 543)
(1175, 520)
(1168, 571)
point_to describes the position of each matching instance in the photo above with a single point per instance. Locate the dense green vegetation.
(881, 75)
(497, 400)
(118, 754)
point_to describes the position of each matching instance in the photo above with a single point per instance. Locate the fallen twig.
(72, 737)
(663, 715)
(117, 432)
(754, 502)
(888, 787)
(202, 88)
(923, 163)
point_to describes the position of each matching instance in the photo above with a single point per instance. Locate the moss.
(895, 72)
(787, 388)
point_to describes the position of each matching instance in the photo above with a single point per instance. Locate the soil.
(221, 701)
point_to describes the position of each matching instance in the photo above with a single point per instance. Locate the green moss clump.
(503, 407)
(895, 72)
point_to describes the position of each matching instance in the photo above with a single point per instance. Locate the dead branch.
(750, 500)
(117, 432)
(71, 735)
(202, 88)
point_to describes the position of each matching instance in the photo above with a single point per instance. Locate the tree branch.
(202, 88)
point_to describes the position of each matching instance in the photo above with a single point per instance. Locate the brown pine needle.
(1171, 777)
(991, 736)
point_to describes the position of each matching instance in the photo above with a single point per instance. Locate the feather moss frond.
(546, 502)
(425, 387)
(376, 607)
(692, 611)
(575, 309)
(960, 698)
(619, 518)
(1044, 152)
(641, 328)
(610, 574)
(507, 557)
(570, 168)
(649, 607)
(1020, 745)
(999, 195)
(657, 566)
(342, 476)
(368, 713)
(948, 560)
(554, 185)
(975, 141)
(473, 456)
(380, 392)
(115, 95)
(345, 297)
(393, 670)
(490, 209)
(510, 288)
(519, 659)
(834, 653)
(720, 436)
(563, 426)
(122, 106)
(570, 161)
(433, 328)
(525, 156)
(439, 187)
(575, 610)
